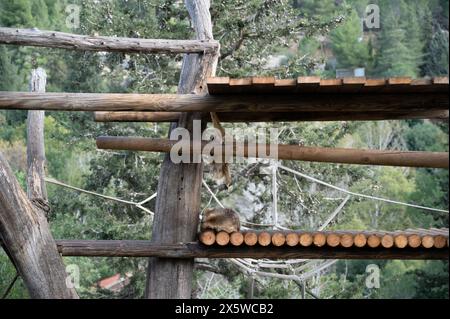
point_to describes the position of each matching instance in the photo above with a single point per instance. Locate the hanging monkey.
(221, 171)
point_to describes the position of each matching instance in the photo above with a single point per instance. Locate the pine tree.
(393, 56)
(416, 21)
(436, 62)
(9, 79)
(40, 14)
(16, 13)
(349, 46)
(323, 9)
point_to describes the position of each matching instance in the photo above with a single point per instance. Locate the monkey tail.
(221, 171)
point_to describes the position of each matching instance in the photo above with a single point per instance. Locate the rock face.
(221, 219)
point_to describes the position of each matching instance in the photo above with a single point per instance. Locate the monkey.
(220, 219)
(221, 171)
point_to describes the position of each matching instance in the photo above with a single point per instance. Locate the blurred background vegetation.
(258, 37)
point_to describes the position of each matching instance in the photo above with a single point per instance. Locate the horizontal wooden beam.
(273, 116)
(228, 103)
(52, 39)
(292, 152)
(141, 248)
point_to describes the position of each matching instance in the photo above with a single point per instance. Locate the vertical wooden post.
(36, 190)
(178, 201)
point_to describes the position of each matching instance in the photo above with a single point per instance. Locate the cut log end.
(347, 240)
(222, 238)
(292, 239)
(360, 240)
(401, 241)
(208, 237)
(278, 239)
(264, 239)
(236, 239)
(414, 241)
(333, 240)
(250, 239)
(387, 241)
(374, 241)
(320, 239)
(440, 242)
(306, 240)
(427, 241)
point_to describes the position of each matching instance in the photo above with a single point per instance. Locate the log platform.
(430, 244)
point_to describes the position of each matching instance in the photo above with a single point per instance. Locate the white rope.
(138, 205)
(212, 194)
(334, 214)
(360, 195)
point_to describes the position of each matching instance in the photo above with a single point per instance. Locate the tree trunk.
(178, 201)
(26, 234)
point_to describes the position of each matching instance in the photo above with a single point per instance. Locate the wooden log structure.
(392, 102)
(52, 39)
(234, 117)
(142, 248)
(290, 152)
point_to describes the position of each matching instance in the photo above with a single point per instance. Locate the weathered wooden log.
(124, 248)
(176, 211)
(289, 152)
(336, 103)
(36, 188)
(137, 116)
(52, 39)
(26, 234)
(274, 116)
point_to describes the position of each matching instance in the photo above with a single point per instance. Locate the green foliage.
(349, 46)
(16, 13)
(395, 57)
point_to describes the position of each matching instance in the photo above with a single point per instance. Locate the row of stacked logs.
(434, 238)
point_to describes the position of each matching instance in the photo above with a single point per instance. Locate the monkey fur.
(220, 219)
(221, 171)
